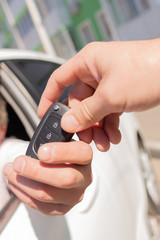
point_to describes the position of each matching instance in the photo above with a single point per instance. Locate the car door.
(23, 108)
(19, 98)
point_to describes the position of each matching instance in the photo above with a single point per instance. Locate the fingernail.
(70, 123)
(19, 164)
(7, 169)
(45, 153)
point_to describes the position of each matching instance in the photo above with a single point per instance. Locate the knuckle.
(70, 179)
(77, 196)
(80, 198)
(83, 57)
(89, 152)
(85, 113)
(29, 202)
(80, 63)
(63, 210)
(58, 210)
(103, 93)
(42, 195)
(90, 46)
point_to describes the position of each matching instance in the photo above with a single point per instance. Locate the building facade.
(40, 25)
(88, 22)
(133, 19)
(62, 27)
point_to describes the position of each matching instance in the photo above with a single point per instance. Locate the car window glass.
(15, 126)
(33, 74)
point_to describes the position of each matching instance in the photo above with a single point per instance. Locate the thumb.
(84, 114)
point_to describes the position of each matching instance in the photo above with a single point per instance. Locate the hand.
(57, 182)
(109, 78)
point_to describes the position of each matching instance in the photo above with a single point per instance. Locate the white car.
(122, 203)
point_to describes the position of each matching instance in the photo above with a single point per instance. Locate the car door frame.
(26, 109)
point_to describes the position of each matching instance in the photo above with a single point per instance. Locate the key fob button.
(49, 135)
(54, 123)
(56, 107)
(40, 141)
(49, 129)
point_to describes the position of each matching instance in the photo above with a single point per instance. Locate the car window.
(33, 74)
(15, 126)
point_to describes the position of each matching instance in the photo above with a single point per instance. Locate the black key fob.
(49, 129)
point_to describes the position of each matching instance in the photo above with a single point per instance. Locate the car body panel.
(9, 54)
(119, 206)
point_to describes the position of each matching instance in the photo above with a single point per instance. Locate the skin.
(57, 182)
(108, 78)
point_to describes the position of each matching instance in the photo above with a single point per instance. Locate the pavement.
(150, 124)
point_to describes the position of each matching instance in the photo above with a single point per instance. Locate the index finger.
(75, 152)
(61, 78)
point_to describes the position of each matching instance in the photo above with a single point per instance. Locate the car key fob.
(49, 129)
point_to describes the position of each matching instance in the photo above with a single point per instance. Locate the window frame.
(14, 95)
(123, 12)
(101, 24)
(87, 23)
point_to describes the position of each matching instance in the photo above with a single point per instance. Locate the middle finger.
(45, 193)
(60, 175)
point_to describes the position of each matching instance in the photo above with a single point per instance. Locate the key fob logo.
(49, 135)
(55, 125)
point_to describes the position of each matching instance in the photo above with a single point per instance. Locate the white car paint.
(114, 206)
(9, 54)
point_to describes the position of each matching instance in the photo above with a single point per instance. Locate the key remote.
(49, 129)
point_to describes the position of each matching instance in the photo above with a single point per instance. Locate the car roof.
(12, 54)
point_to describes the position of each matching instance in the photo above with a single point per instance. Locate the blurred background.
(63, 27)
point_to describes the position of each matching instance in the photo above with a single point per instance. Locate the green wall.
(87, 11)
(4, 29)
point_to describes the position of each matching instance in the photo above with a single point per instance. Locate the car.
(123, 200)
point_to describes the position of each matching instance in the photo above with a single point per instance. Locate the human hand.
(57, 182)
(109, 78)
